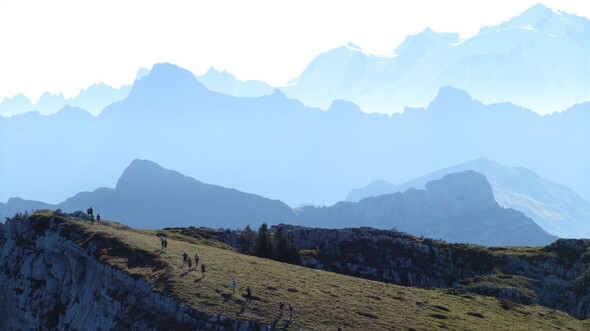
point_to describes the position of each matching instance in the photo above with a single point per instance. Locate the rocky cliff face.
(459, 207)
(51, 279)
(556, 276)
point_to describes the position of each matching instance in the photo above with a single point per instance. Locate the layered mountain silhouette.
(149, 196)
(458, 208)
(276, 146)
(556, 208)
(536, 60)
(226, 83)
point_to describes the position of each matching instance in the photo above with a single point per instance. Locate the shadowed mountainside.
(555, 208)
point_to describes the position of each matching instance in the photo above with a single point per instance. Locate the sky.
(64, 46)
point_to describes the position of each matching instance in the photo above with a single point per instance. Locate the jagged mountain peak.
(166, 83)
(426, 40)
(140, 172)
(541, 18)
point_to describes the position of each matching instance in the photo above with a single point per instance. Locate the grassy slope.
(322, 300)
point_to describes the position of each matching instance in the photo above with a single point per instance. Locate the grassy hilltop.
(322, 300)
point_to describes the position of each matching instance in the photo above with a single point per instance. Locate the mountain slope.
(460, 207)
(536, 59)
(555, 208)
(106, 267)
(150, 196)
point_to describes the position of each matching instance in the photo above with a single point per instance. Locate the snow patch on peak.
(353, 46)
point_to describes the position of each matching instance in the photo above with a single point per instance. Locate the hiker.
(91, 211)
(98, 218)
(165, 244)
(189, 264)
(196, 260)
(339, 328)
(162, 242)
(281, 306)
(91, 218)
(184, 257)
(88, 211)
(248, 294)
(203, 269)
(291, 312)
(234, 283)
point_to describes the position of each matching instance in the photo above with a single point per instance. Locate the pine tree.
(264, 248)
(281, 245)
(247, 240)
(294, 255)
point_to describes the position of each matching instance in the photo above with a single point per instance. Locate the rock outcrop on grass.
(556, 276)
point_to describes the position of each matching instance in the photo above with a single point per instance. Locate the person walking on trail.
(234, 283)
(91, 211)
(165, 245)
(291, 312)
(189, 264)
(98, 218)
(248, 294)
(203, 270)
(184, 257)
(162, 241)
(91, 218)
(281, 306)
(196, 260)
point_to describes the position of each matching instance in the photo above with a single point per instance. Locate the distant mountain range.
(226, 83)
(458, 208)
(537, 60)
(555, 208)
(149, 196)
(276, 146)
(93, 99)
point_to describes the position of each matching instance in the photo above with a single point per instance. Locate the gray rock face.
(50, 282)
(459, 207)
(556, 276)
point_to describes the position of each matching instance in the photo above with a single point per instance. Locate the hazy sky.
(63, 46)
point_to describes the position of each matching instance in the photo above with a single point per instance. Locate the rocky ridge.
(52, 278)
(556, 276)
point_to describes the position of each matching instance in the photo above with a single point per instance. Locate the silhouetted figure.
(165, 244)
(248, 293)
(91, 210)
(91, 218)
(184, 257)
(190, 262)
(203, 270)
(98, 218)
(234, 283)
(291, 312)
(162, 242)
(196, 260)
(281, 307)
(339, 328)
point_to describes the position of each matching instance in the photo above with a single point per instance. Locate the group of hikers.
(90, 213)
(164, 243)
(291, 310)
(187, 261)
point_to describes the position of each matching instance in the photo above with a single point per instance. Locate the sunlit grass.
(322, 300)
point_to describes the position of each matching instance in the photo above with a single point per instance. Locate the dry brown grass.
(322, 300)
